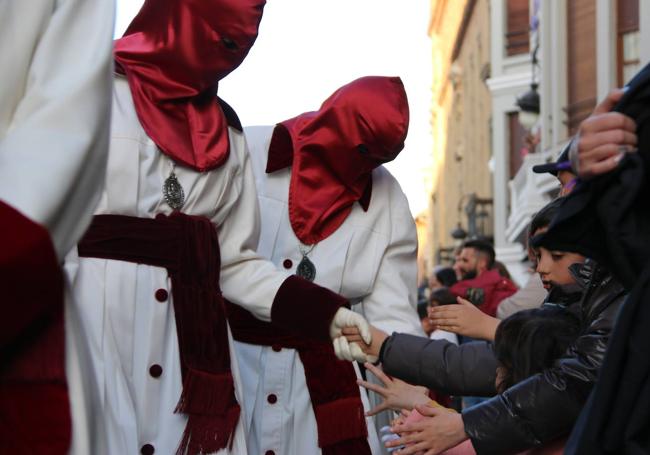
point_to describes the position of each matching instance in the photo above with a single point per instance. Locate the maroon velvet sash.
(188, 247)
(332, 383)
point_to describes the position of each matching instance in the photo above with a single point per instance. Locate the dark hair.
(443, 296)
(530, 341)
(484, 248)
(422, 309)
(502, 269)
(446, 276)
(544, 217)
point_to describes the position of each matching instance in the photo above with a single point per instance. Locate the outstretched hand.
(464, 319)
(371, 350)
(439, 429)
(396, 393)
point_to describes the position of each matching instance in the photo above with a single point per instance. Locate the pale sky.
(306, 49)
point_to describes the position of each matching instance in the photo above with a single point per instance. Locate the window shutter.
(518, 28)
(581, 81)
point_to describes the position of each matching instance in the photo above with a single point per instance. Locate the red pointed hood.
(359, 127)
(173, 54)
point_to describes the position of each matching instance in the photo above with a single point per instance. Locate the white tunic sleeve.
(55, 110)
(247, 279)
(391, 305)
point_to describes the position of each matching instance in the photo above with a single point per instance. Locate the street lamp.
(458, 233)
(528, 104)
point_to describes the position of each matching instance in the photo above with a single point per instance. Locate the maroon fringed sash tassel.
(188, 247)
(332, 383)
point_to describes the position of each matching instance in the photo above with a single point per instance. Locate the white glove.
(345, 350)
(342, 348)
(348, 318)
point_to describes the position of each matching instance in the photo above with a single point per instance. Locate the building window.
(518, 28)
(581, 64)
(518, 143)
(627, 40)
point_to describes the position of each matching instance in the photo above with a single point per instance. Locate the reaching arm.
(468, 369)
(254, 283)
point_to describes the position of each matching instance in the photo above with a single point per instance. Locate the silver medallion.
(306, 269)
(173, 192)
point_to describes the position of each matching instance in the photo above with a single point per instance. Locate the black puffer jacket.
(532, 412)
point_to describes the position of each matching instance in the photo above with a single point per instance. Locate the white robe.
(128, 329)
(370, 260)
(56, 58)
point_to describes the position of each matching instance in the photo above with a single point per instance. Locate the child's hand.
(396, 394)
(378, 336)
(438, 430)
(464, 319)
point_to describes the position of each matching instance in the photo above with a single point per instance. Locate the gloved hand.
(343, 349)
(348, 318)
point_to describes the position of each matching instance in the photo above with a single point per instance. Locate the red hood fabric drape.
(173, 54)
(333, 151)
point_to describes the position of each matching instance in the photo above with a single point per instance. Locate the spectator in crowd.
(466, 320)
(502, 269)
(533, 412)
(481, 282)
(607, 217)
(441, 297)
(442, 277)
(423, 313)
(533, 293)
(526, 344)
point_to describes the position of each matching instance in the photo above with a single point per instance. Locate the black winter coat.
(608, 218)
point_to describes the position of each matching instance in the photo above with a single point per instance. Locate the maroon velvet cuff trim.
(31, 275)
(304, 307)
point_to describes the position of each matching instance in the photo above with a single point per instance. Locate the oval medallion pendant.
(173, 192)
(306, 269)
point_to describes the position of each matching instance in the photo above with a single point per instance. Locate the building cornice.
(508, 82)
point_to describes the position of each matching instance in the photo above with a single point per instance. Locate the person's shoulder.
(386, 187)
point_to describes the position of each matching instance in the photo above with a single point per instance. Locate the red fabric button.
(155, 370)
(269, 452)
(272, 398)
(288, 263)
(276, 347)
(162, 295)
(147, 449)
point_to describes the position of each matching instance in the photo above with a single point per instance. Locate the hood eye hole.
(229, 44)
(362, 149)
